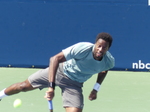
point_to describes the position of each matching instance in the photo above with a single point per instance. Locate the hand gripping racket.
(50, 105)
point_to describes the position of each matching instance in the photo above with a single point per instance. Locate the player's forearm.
(101, 77)
(99, 81)
(53, 68)
(53, 65)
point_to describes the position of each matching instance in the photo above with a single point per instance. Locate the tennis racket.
(50, 105)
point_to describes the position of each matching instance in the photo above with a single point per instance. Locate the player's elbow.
(53, 59)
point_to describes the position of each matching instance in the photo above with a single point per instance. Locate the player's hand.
(93, 95)
(49, 94)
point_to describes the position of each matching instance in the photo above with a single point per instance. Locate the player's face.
(101, 47)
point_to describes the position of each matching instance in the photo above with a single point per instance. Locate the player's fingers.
(92, 96)
(49, 95)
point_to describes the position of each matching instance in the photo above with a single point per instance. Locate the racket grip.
(50, 105)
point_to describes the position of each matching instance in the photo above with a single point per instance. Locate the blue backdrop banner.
(31, 31)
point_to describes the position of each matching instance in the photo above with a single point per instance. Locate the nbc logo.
(140, 65)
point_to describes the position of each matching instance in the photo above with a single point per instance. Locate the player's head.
(102, 45)
(105, 36)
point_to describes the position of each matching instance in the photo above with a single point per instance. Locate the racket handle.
(50, 105)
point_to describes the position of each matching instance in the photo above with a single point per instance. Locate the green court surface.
(121, 91)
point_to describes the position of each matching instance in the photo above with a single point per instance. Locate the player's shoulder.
(83, 47)
(109, 55)
(110, 58)
(84, 44)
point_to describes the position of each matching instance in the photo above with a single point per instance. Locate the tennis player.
(69, 69)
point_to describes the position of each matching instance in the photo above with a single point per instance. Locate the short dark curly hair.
(105, 36)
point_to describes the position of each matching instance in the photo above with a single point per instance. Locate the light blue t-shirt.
(81, 65)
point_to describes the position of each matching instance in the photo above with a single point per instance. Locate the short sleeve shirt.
(81, 65)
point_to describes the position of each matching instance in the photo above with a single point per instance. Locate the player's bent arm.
(53, 65)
